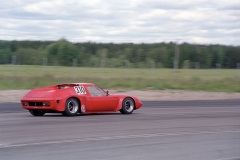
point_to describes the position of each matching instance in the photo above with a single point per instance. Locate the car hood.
(123, 95)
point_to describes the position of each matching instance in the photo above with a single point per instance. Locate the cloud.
(135, 21)
(45, 7)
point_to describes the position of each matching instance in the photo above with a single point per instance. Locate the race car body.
(71, 99)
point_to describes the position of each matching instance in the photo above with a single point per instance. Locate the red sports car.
(74, 98)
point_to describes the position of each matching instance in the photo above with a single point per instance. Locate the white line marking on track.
(231, 158)
(111, 138)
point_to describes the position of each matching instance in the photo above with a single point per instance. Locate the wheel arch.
(133, 101)
(72, 109)
(78, 99)
(121, 102)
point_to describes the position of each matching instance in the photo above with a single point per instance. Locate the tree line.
(89, 54)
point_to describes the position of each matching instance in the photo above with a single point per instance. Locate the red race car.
(74, 98)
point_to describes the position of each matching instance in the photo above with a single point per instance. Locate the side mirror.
(107, 93)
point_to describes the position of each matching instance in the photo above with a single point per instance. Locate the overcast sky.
(137, 21)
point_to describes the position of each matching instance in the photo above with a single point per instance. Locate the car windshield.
(95, 91)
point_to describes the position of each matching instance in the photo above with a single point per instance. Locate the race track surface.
(181, 130)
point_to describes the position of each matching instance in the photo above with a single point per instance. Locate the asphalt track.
(181, 130)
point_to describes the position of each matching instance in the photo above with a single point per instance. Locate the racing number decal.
(80, 90)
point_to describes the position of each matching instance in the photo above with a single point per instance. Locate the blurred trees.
(89, 54)
(63, 53)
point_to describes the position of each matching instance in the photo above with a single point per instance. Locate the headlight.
(24, 103)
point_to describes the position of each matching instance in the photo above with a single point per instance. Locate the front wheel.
(37, 112)
(127, 106)
(71, 107)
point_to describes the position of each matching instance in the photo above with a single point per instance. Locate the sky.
(126, 21)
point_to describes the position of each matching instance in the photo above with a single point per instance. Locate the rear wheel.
(37, 112)
(71, 107)
(127, 106)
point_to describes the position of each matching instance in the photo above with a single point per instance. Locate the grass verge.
(28, 77)
(225, 85)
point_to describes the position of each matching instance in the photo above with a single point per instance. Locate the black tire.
(71, 107)
(128, 106)
(37, 112)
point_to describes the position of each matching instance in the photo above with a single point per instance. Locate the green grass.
(28, 77)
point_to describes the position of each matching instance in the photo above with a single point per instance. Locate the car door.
(100, 101)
